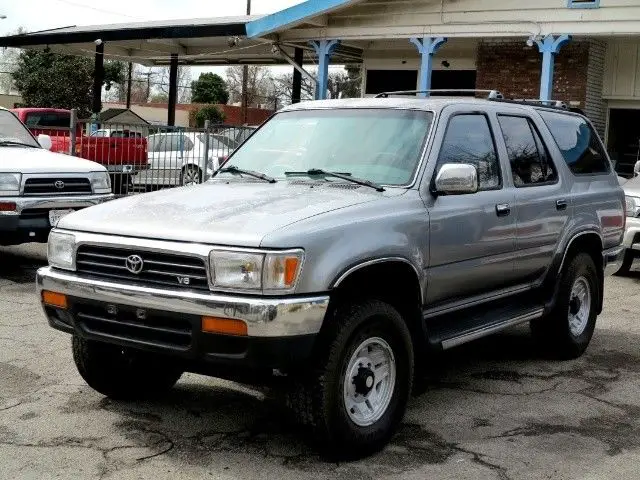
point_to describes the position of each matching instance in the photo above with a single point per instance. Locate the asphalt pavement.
(490, 410)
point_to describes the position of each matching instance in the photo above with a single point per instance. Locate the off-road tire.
(120, 373)
(316, 397)
(552, 332)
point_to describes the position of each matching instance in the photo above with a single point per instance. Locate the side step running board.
(486, 330)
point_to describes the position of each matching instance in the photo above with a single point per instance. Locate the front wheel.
(121, 373)
(567, 330)
(356, 396)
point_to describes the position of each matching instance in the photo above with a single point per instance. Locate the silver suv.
(338, 246)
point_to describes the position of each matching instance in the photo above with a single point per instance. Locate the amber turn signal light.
(224, 326)
(54, 299)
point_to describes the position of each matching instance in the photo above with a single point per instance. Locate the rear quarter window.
(579, 143)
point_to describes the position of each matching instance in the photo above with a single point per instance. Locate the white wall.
(474, 18)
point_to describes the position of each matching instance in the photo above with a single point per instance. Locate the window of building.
(579, 143)
(528, 157)
(584, 3)
(469, 140)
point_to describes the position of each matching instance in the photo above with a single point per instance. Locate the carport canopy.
(202, 42)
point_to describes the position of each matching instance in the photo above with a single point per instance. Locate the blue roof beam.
(312, 11)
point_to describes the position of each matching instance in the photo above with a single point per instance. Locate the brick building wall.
(513, 68)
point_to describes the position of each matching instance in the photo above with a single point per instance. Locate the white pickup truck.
(38, 187)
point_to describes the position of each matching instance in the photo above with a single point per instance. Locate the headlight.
(632, 206)
(10, 183)
(100, 182)
(269, 272)
(61, 250)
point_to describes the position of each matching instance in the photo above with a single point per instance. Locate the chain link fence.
(141, 157)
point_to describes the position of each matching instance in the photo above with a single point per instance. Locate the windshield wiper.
(240, 171)
(341, 175)
(7, 143)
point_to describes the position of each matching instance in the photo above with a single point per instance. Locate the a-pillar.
(549, 48)
(173, 90)
(324, 49)
(427, 47)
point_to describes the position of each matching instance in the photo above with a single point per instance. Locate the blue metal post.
(324, 49)
(427, 47)
(549, 47)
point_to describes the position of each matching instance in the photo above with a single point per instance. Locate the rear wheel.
(356, 395)
(191, 175)
(121, 373)
(567, 330)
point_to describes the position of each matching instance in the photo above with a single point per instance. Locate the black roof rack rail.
(558, 104)
(491, 94)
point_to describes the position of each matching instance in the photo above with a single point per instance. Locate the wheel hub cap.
(369, 382)
(364, 381)
(579, 306)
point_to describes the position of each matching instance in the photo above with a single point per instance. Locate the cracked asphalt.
(490, 410)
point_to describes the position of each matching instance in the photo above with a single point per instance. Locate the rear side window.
(528, 157)
(578, 142)
(468, 140)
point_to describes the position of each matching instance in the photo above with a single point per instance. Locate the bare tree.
(260, 88)
(8, 63)
(152, 84)
(184, 83)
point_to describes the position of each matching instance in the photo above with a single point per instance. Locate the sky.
(43, 14)
(36, 15)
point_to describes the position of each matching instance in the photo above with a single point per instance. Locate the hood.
(632, 187)
(221, 213)
(39, 160)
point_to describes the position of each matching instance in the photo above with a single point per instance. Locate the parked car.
(178, 158)
(117, 133)
(338, 245)
(632, 226)
(121, 156)
(236, 135)
(37, 187)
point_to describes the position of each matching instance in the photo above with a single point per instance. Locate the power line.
(101, 10)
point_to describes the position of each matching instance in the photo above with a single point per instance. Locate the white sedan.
(178, 158)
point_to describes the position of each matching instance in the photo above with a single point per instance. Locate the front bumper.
(632, 233)
(29, 221)
(281, 331)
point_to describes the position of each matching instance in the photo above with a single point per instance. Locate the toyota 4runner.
(340, 244)
(38, 187)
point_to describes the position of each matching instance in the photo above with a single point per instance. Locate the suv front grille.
(128, 323)
(57, 186)
(156, 269)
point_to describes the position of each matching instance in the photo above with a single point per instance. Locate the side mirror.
(45, 141)
(636, 169)
(456, 179)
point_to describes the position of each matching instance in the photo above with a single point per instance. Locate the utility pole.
(245, 80)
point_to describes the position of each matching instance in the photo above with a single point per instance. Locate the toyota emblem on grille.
(59, 184)
(134, 263)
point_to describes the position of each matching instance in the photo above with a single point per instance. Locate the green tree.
(211, 113)
(46, 79)
(209, 88)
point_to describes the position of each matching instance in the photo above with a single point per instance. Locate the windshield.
(380, 145)
(12, 130)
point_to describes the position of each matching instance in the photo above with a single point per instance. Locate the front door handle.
(503, 209)
(561, 204)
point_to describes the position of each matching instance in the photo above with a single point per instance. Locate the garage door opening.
(624, 140)
(379, 81)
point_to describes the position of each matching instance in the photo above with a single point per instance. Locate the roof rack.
(533, 101)
(491, 94)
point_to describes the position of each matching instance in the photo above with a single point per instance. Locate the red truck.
(121, 155)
